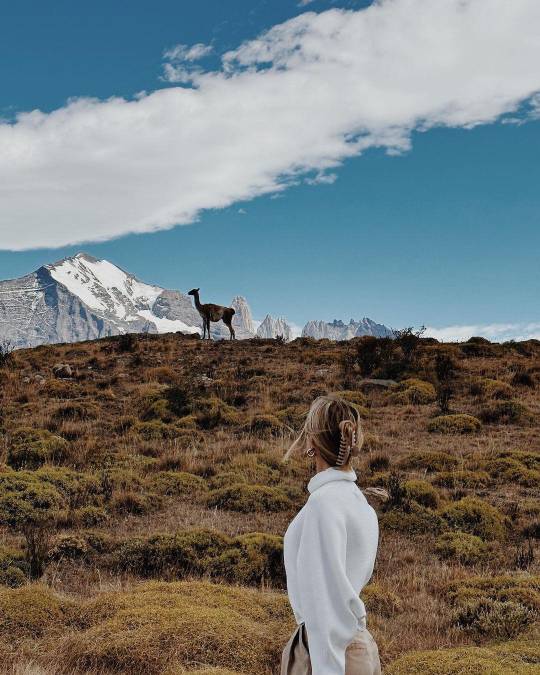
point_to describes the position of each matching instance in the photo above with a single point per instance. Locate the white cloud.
(179, 66)
(322, 178)
(496, 332)
(186, 53)
(295, 102)
(304, 3)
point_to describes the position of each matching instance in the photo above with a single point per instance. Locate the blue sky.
(438, 225)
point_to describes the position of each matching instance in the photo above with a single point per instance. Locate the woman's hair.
(333, 429)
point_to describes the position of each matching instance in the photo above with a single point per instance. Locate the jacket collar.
(329, 475)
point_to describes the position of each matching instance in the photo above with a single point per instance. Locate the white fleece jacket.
(329, 551)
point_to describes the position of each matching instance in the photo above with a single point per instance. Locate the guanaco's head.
(194, 291)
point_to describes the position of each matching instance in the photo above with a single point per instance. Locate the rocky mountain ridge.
(83, 298)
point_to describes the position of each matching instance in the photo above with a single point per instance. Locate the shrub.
(416, 520)
(13, 568)
(475, 516)
(68, 547)
(378, 462)
(381, 600)
(467, 549)
(412, 391)
(32, 507)
(75, 487)
(462, 479)
(155, 430)
(521, 588)
(251, 559)
(189, 552)
(125, 502)
(511, 470)
(510, 658)
(494, 619)
(254, 470)
(31, 448)
(247, 498)
(152, 627)
(429, 460)
(506, 412)
(356, 397)
(529, 459)
(422, 492)
(31, 611)
(212, 412)
(454, 424)
(264, 423)
(178, 483)
(491, 388)
(90, 516)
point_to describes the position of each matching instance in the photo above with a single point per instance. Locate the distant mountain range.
(83, 298)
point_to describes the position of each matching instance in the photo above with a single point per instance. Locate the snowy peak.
(272, 328)
(104, 287)
(338, 330)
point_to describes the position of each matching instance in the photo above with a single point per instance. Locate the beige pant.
(361, 656)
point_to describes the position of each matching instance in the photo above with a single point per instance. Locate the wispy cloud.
(496, 332)
(293, 103)
(180, 61)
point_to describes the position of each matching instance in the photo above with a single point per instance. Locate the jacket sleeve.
(325, 593)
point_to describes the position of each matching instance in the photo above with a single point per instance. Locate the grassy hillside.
(143, 502)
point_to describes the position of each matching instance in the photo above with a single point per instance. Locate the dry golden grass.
(152, 432)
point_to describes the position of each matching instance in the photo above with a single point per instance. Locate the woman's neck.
(320, 464)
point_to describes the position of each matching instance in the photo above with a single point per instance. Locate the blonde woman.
(330, 550)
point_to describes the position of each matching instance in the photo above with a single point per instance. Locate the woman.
(330, 550)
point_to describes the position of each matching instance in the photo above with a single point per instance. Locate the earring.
(310, 452)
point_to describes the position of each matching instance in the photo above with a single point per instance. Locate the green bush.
(416, 520)
(212, 412)
(178, 484)
(251, 559)
(264, 424)
(422, 492)
(467, 549)
(77, 488)
(155, 430)
(462, 479)
(454, 424)
(489, 388)
(32, 507)
(428, 460)
(495, 619)
(381, 600)
(248, 498)
(511, 470)
(522, 588)
(90, 516)
(68, 547)
(506, 412)
(475, 516)
(31, 448)
(13, 568)
(519, 657)
(136, 503)
(247, 559)
(189, 552)
(356, 397)
(412, 391)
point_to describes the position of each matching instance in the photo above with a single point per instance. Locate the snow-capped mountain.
(82, 298)
(271, 328)
(338, 330)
